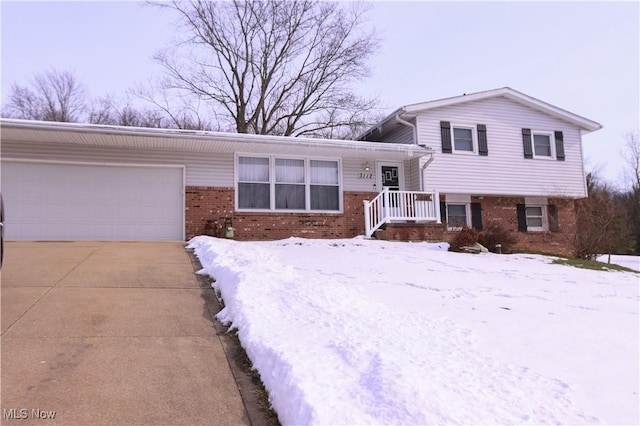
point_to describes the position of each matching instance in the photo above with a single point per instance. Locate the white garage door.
(92, 202)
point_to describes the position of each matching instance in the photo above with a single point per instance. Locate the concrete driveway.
(111, 333)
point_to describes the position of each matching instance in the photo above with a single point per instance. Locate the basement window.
(535, 218)
(457, 216)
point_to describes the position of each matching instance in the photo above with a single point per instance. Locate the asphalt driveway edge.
(253, 394)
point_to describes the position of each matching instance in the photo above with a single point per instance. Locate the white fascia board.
(413, 109)
(514, 95)
(211, 137)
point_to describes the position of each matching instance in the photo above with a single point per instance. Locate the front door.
(391, 175)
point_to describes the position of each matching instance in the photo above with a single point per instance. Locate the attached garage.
(85, 201)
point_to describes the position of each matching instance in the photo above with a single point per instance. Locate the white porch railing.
(399, 206)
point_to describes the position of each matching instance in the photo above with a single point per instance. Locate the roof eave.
(239, 138)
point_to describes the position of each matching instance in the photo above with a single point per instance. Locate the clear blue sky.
(580, 56)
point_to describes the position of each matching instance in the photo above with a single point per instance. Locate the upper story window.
(549, 145)
(542, 146)
(287, 184)
(463, 139)
(470, 139)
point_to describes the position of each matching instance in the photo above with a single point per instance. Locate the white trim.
(272, 183)
(543, 212)
(552, 144)
(155, 138)
(414, 109)
(536, 200)
(474, 139)
(467, 210)
(88, 163)
(514, 95)
(457, 198)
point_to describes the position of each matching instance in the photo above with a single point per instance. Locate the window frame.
(474, 139)
(277, 184)
(552, 144)
(543, 217)
(467, 213)
(238, 182)
(272, 184)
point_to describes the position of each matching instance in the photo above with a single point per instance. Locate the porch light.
(366, 167)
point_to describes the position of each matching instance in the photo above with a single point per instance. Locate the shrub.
(496, 234)
(464, 237)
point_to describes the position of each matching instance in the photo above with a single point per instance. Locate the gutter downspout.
(424, 166)
(400, 120)
(406, 123)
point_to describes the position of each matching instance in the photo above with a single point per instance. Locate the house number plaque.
(365, 175)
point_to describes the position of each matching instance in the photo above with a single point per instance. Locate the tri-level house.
(420, 174)
(499, 157)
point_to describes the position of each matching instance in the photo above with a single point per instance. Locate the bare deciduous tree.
(178, 110)
(631, 155)
(272, 67)
(108, 110)
(52, 96)
(631, 196)
(602, 223)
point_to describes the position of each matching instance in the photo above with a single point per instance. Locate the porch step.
(381, 234)
(431, 232)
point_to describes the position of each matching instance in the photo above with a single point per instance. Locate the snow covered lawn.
(631, 262)
(371, 332)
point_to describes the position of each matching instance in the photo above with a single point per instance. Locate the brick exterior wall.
(209, 203)
(502, 211)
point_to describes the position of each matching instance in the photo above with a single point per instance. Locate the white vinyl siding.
(400, 134)
(412, 174)
(504, 171)
(202, 168)
(355, 178)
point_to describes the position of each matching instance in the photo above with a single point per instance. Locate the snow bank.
(369, 332)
